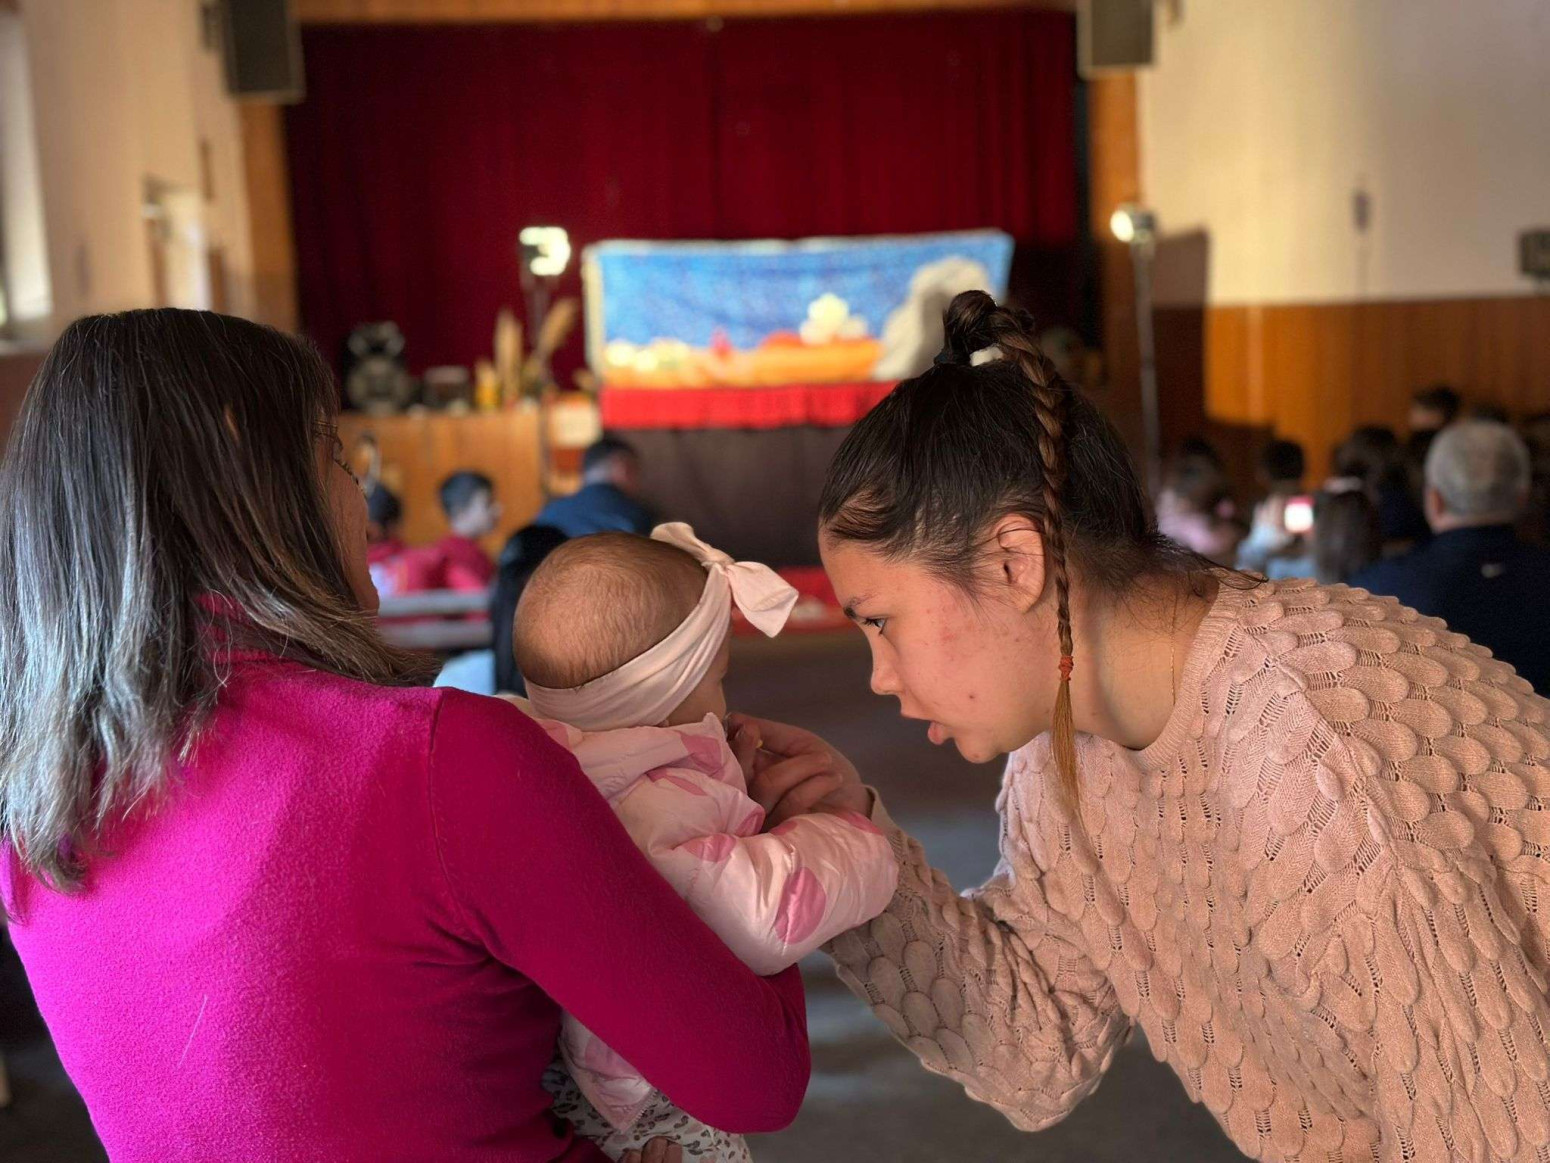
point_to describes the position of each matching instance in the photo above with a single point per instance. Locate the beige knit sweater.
(1318, 892)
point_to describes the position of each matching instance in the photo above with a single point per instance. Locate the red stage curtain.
(421, 151)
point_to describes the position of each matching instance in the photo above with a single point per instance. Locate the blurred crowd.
(1453, 519)
(608, 501)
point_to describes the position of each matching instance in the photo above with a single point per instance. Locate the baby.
(623, 643)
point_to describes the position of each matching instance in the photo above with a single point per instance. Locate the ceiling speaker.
(263, 50)
(1113, 36)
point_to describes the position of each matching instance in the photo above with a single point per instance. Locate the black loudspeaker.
(263, 50)
(1113, 35)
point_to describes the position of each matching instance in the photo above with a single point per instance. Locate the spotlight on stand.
(1133, 224)
(1136, 227)
(545, 252)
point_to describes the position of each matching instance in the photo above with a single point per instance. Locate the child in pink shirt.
(623, 643)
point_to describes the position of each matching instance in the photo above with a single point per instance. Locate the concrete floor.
(869, 1099)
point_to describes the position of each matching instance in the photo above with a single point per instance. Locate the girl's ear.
(1017, 550)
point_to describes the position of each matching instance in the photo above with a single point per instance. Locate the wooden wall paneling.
(1515, 361)
(421, 450)
(1376, 362)
(269, 215)
(483, 11)
(1313, 372)
(1180, 339)
(1534, 328)
(1230, 385)
(1114, 177)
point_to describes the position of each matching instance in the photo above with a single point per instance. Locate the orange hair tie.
(1065, 668)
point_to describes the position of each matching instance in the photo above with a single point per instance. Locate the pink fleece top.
(349, 931)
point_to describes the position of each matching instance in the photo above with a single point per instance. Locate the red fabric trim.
(798, 405)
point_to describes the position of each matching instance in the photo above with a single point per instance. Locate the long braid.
(1013, 334)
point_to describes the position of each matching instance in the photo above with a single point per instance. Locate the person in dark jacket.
(1476, 574)
(609, 500)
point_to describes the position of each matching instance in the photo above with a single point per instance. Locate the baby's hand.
(746, 741)
(795, 769)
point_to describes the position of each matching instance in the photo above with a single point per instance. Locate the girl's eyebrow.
(849, 609)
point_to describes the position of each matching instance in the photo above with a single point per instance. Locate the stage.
(744, 466)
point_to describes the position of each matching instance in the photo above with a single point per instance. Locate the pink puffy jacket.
(773, 896)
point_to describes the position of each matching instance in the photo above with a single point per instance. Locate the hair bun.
(967, 326)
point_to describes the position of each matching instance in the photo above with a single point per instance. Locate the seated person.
(1195, 508)
(1475, 574)
(384, 546)
(609, 499)
(494, 671)
(1433, 409)
(1372, 455)
(1346, 536)
(1272, 547)
(629, 639)
(458, 561)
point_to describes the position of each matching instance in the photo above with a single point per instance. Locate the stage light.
(1132, 224)
(545, 250)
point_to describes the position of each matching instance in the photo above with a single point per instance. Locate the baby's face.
(709, 698)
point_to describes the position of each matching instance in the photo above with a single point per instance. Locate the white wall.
(1261, 118)
(123, 91)
(23, 229)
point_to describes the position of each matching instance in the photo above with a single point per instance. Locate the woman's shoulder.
(493, 723)
(302, 708)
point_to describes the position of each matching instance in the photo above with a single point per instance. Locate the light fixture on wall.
(1133, 224)
(1136, 227)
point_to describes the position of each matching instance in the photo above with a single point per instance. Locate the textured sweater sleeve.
(987, 989)
(542, 875)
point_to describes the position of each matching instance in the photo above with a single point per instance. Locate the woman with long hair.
(277, 899)
(1297, 833)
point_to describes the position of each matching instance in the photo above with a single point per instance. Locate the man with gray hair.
(1475, 574)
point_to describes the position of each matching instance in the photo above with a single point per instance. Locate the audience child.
(1276, 546)
(1372, 456)
(1433, 409)
(384, 546)
(1346, 538)
(468, 500)
(1195, 508)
